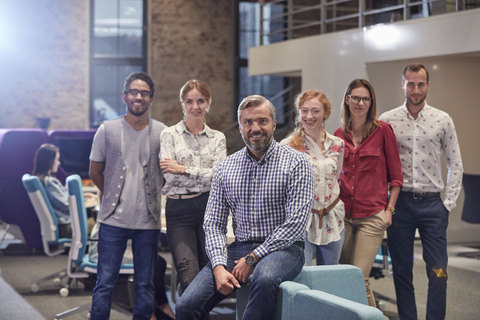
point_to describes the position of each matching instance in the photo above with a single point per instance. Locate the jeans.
(186, 237)
(112, 242)
(431, 218)
(159, 281)
(201, 296)
(363, 238)
(328, 254)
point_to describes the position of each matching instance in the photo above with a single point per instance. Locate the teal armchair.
(320, 292)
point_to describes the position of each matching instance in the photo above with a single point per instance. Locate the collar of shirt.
(265, 157)
(422, 114)
(181, 128)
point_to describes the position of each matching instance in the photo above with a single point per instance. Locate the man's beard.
(137, 113)
(258, 146)
(422, 99)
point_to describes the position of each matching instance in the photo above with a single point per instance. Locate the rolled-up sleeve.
(394, 166)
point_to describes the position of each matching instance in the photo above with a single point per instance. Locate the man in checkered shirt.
(268, 189)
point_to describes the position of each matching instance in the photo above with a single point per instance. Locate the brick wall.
(44, 60)
(44, 63)
(193, 39)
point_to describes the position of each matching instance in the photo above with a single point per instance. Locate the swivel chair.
(53, 245)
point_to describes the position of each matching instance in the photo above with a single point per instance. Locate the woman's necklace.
(356, 139)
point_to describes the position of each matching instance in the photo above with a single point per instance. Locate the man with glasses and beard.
(423, 134)
(124, 165)
(268, 189)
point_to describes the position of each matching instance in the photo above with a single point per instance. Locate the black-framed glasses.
(135, 92)
(357, 99)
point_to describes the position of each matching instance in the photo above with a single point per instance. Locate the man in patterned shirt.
(423, 134)
(268, 188)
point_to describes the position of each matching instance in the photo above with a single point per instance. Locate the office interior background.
(63, 63)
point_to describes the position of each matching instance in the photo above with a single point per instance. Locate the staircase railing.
(299, 18)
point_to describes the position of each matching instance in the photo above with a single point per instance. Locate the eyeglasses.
(135, 92)
(357, 99)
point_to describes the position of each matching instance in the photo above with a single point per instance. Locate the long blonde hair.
(372, 121)
(298, 133)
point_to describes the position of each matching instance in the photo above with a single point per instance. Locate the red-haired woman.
(325, 228)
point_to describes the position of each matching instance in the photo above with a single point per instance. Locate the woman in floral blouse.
(325, 228)
(190, 152)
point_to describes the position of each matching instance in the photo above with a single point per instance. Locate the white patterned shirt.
(201, 154)
(327, 166)
(421, 143)
(270, 201)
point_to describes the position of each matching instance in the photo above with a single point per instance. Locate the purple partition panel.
(17, 151)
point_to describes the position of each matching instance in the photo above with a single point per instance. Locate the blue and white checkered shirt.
(270, 201)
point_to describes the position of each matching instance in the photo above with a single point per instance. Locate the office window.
(117, 48)
(248, 35)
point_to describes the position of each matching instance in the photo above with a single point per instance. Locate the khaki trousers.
(363, 238)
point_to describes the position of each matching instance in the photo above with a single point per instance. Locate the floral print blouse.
(327, 166)
(201, 154)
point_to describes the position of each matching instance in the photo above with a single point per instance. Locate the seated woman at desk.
(47, 160)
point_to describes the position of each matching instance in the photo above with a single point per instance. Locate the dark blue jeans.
(202, 296)
(186, 237)
(112, 242)
(431, 218)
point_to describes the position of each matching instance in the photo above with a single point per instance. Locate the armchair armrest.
(308, 304)
(286, 293)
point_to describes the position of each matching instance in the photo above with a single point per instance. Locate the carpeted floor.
(20, 267)
(463, 290)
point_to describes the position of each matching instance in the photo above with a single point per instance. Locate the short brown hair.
(415, 67)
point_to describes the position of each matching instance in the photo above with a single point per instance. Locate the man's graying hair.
(254, 101)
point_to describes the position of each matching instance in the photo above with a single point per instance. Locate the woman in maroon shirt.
(371, 170)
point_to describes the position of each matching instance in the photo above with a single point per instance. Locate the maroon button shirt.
(368, 171)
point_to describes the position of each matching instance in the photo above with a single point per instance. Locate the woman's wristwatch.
(392, 209)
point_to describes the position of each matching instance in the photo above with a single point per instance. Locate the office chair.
(381, 264)
(79, 263)
(471, 205)
(53, 245)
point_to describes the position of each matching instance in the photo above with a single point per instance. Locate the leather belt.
(324, 212)
(184, 196)
(301, 244)
(419, 195)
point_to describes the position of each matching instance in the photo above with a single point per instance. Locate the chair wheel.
(57, 281)
(64, 292)
(35, 287)
(381, 305)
